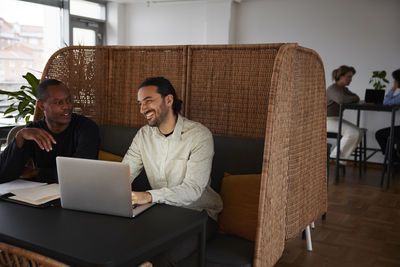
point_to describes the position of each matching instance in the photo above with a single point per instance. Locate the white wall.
(115, 29)
(178, 23)
(361, 33)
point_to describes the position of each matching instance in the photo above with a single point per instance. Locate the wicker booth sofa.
(264, 104)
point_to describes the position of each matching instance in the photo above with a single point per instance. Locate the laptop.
(374, 96)
(96, 186)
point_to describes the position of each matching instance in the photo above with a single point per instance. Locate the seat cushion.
(240, 194)
(227, 250)
(103, 155)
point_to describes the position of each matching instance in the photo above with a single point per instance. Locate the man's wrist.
(19, 139)
(149, 197)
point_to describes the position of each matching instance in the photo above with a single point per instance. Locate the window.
(88, 9)
(87, 22)
(30, 33)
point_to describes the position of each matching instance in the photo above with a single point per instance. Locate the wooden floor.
(362, 226)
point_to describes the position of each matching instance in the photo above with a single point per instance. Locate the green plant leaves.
(26, 98)
(378, 79)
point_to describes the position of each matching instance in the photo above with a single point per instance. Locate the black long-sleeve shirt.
(81, 140)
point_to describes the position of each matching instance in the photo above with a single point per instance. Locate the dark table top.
(362, 105)
(88, 239)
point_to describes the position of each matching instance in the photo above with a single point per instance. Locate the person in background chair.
(176, 154)
(59, 133)
(382, 135)
(337, 94)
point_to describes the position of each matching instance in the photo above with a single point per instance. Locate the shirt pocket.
(177, 170)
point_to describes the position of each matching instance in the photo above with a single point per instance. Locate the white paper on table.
(17, 184)
(37, 195)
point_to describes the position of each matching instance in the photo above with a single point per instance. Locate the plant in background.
(378, 79)
(25, 99)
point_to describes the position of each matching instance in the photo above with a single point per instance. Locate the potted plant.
(26, 99)
(379, 81)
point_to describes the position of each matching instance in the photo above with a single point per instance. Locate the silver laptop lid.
(95, 186)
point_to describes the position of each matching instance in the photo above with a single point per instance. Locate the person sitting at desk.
(59, 133)
(382, 135)
(337, 94)
(176, 154)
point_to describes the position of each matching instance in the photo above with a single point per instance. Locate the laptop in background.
(96, 186)
(374, 96)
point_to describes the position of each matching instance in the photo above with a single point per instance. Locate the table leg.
(202, 245)
(338, 144)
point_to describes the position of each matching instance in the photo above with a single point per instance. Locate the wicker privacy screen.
(271, 91)
(104, 80)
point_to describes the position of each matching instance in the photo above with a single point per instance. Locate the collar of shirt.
(177, 130)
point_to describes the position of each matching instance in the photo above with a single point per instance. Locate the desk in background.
(89, 239)
(369, 107)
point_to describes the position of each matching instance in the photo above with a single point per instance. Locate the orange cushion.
(240, 194)
(103, 155)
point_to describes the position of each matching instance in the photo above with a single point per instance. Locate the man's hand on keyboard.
(141, 198)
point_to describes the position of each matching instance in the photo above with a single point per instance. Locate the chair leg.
(308, 238)
(360, 158)
(328, 152)
(365, 152)
(385, 163)
(312, 225)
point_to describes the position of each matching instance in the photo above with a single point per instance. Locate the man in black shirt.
(59, 133)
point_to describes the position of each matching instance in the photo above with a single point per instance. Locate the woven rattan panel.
(84, 72)
(307, 195)
(129, 68)
(270, 238)
(103, 80)
(228, 88)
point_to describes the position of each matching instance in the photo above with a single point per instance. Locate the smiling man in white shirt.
(175, 152)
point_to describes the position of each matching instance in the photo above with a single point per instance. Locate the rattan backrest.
(307, 190)
(12, 256)
(104, 80)
(270, 236)
(228, 86)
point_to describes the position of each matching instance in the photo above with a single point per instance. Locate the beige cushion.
(103, 155)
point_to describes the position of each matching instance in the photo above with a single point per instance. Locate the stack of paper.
(37, 195)
(30, 192)
(5, 188)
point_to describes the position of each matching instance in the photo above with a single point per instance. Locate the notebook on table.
(96, 186)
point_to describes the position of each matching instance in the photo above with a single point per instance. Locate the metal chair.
(11, 134)
(360, 153)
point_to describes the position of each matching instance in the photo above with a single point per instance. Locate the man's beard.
(163, 114)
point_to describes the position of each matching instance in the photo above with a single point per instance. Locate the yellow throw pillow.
(103, 155)
(240, 194)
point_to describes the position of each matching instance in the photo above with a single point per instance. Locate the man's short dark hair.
(396, 75)
(164, 88)
(41, 90)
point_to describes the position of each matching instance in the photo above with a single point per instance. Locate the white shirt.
(178, 167)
